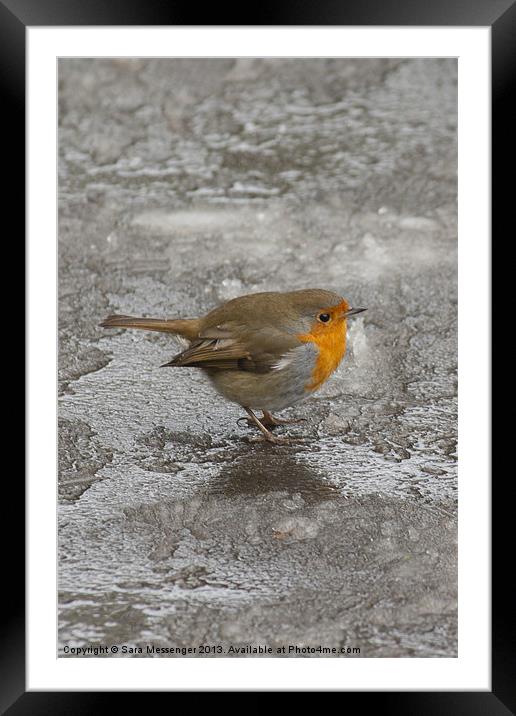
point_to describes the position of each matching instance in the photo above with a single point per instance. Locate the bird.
(264, 351)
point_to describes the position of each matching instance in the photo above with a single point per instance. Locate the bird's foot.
(263, 427)
(269, 421)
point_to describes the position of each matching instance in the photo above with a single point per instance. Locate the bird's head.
(322, 312)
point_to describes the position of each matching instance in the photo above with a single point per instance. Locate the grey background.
(187, 182)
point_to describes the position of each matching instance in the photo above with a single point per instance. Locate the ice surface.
(184, 183)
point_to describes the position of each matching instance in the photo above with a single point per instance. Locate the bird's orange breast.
(331, 345)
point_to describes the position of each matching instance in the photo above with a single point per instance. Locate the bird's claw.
(248, 421)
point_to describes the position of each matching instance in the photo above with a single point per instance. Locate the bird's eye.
(324, 317)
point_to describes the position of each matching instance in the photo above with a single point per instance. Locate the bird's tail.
(186, 327)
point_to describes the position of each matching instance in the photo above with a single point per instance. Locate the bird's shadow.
(263, 470)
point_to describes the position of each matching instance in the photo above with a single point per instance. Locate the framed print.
(283, 482)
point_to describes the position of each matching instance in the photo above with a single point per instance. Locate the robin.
(264, 351)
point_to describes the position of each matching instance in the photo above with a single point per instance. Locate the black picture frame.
(500, 15)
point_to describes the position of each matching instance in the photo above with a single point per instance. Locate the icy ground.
(184, 183)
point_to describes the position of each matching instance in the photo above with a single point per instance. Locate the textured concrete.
(187, 182)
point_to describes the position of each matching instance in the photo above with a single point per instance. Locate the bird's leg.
(261, 427)
(269, 420)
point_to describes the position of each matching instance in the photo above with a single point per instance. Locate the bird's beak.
(353, 312)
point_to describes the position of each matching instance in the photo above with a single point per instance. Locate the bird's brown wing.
(235, 347)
